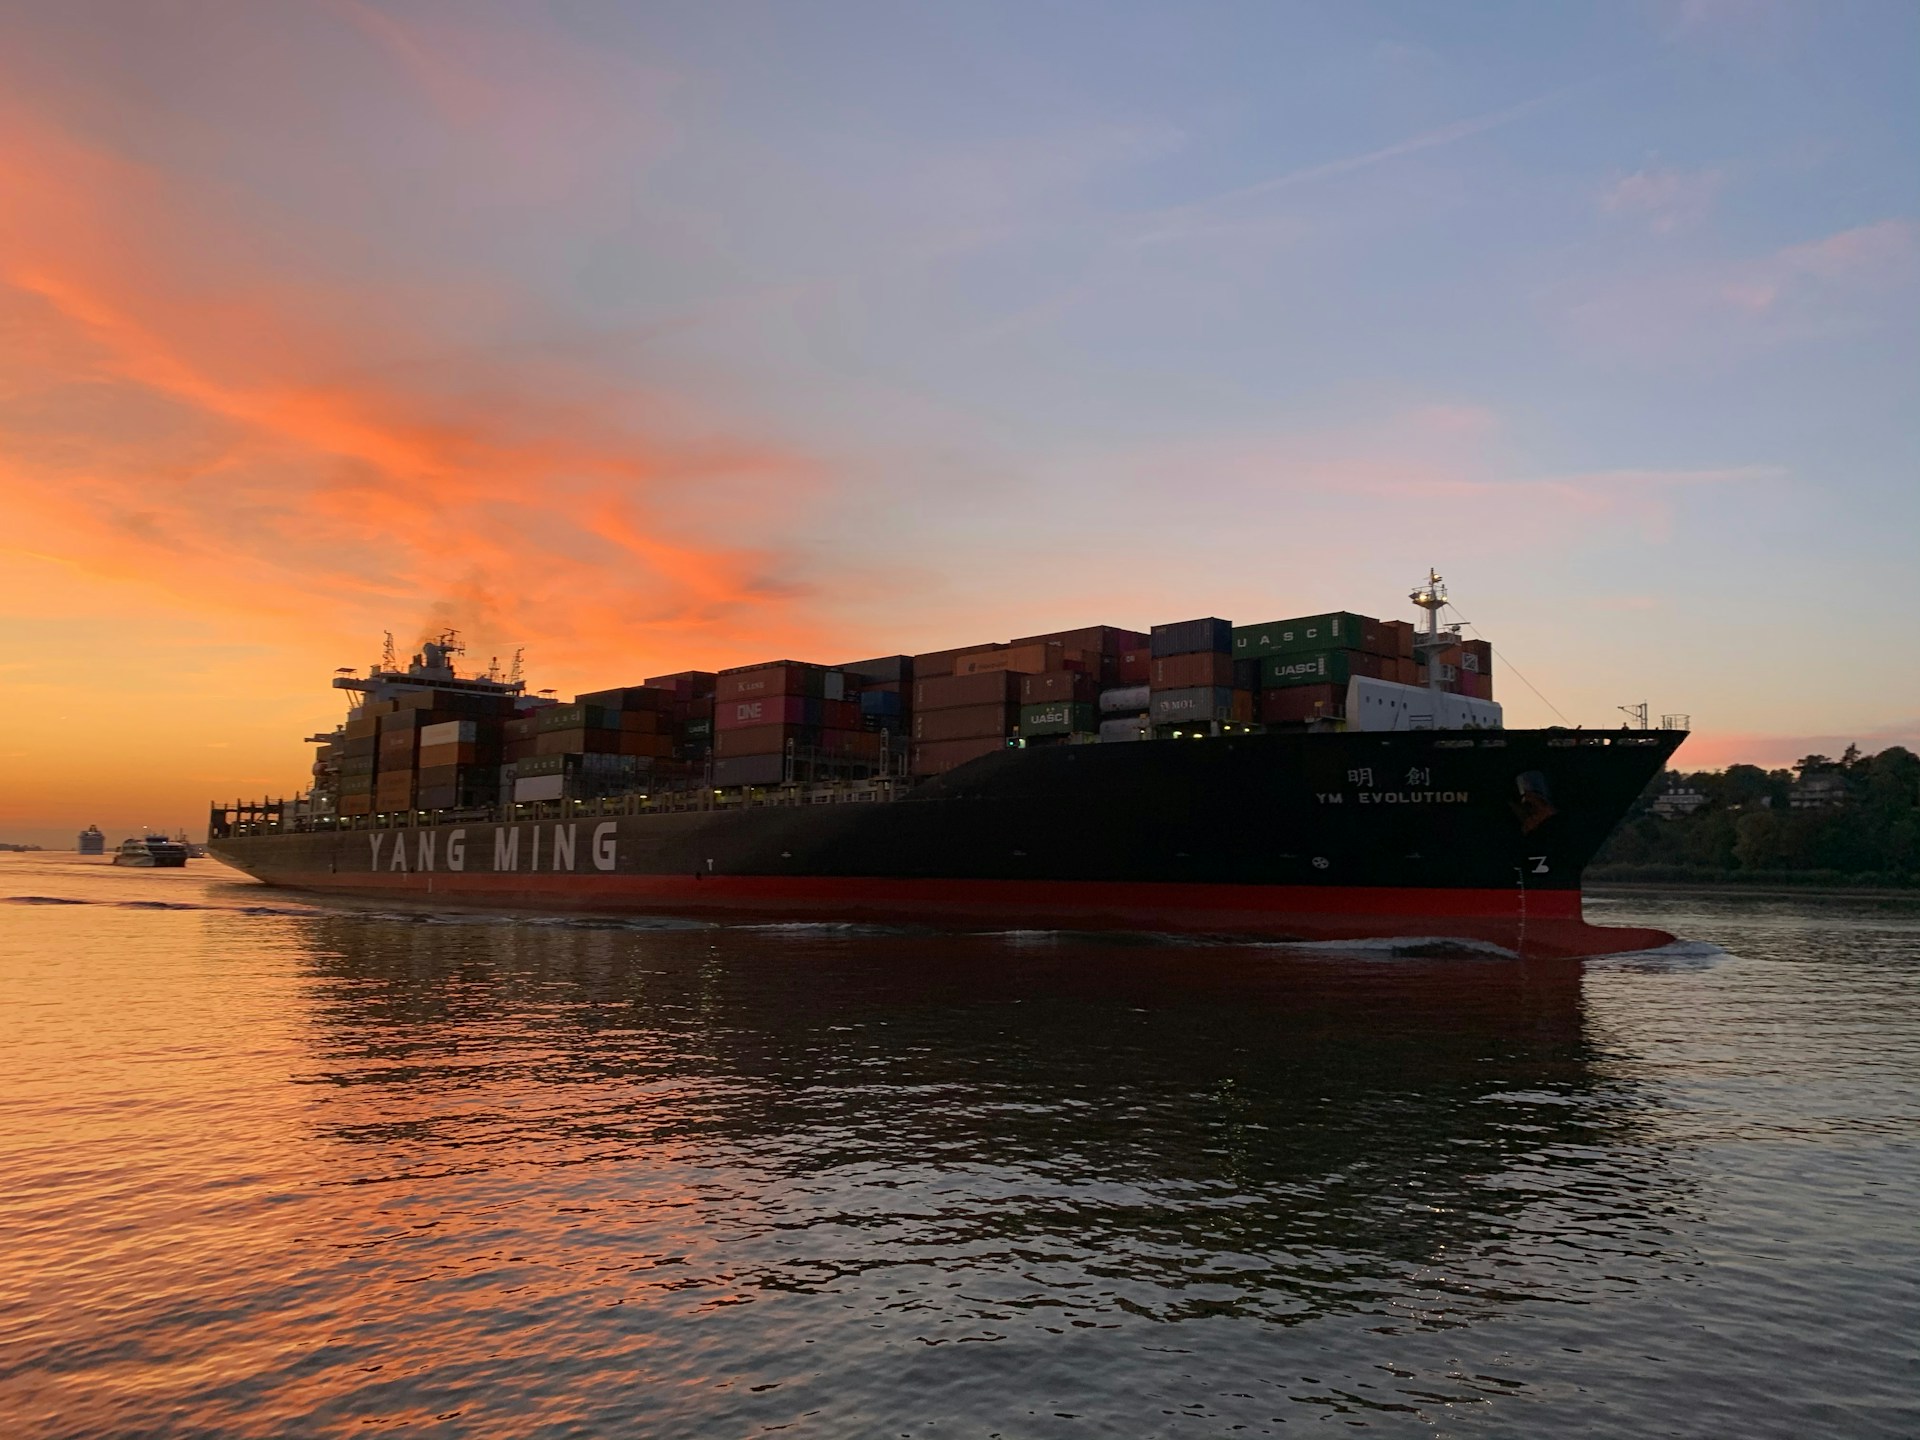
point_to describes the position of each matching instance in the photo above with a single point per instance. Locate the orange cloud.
(310, 473)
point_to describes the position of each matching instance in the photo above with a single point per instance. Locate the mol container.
(1183, 707)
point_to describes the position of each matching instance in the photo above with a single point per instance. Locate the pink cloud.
(1664, 200)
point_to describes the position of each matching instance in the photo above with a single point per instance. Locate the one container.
(1188, 637)
(744, 714)
(1129, 727)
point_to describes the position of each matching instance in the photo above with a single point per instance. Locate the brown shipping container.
(398, 742)
(362, 725)
(997, 687)
(1398, 638)
(937, 662)
(938, 757)
(1020, 659)
(1479, 687)
(755, 740)
(646, 722)
(1131, 667)
(1186, 672)
(1091, 639)
(857, 744)
(356, 804)
(686, 684)
(474, 753)
(578, 741)
(520, 749)
(1064, 685)
(962, 722)
(1300, 703)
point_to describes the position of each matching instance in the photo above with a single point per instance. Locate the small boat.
(151, 852)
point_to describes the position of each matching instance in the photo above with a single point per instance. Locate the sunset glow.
(645, 342)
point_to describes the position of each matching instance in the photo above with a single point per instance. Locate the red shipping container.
(859, 744)
(634, 743)
(1479, 687)
(1397, 638)
(999, 687)
(1296, 703)
(1190, 671)
(1132, 667)
(1405, 671)
(942, 756)
(687, 684)
(962, 722)
(1063, 685)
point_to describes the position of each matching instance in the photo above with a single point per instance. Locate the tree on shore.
(1866, 830)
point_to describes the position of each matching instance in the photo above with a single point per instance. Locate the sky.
(647, 336)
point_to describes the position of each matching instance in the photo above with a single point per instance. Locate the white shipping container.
(450, 732)
(1125, 700)
(1383, 705)
(1131, 727)
(540, 787)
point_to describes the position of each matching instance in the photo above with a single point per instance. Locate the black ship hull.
(1470, 835)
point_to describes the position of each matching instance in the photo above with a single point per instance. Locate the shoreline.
(1768, 889)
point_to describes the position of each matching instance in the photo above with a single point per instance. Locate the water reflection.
(1068, 1130)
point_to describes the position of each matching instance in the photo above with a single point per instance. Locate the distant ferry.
(92, 841)
(150, 852)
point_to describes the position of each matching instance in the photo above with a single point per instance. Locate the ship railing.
(259, 819)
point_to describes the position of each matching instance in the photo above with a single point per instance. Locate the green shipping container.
(1059, 717)
(1341, 630)
(1328, 667)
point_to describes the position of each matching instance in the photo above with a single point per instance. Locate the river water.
(276, 1166)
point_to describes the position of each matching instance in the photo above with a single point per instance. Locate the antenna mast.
(1432, 598)
(389, 660)
(516, 673)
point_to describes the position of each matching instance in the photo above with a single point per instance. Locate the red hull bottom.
(1539, 923)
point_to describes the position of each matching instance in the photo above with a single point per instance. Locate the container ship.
(1329, 777)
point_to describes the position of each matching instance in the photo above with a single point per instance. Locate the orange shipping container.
(356, 804)
(999, 687)
(1065, 685)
